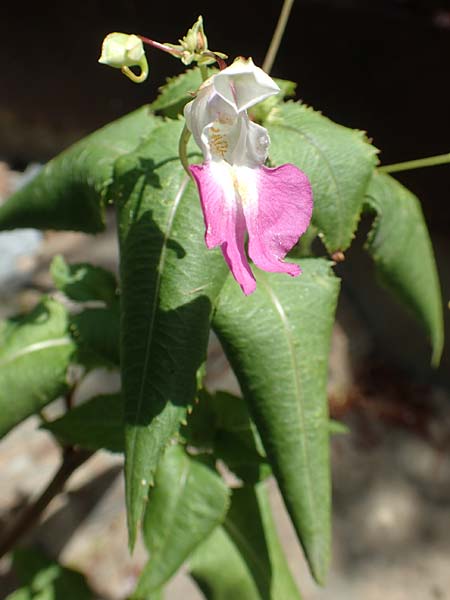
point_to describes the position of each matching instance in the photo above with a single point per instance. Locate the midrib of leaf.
(36, 347)
(300, 412)
(162, 259)
(321, 155)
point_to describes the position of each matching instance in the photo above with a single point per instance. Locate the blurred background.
(382, 67)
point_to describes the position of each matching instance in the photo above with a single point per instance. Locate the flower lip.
(243, 84)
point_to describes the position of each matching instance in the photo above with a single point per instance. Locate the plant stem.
(431, 161)
(277, 36)
(72, 459)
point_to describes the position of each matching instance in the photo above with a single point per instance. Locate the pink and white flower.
(237, 192)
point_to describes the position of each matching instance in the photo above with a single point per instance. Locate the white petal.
(242, 84)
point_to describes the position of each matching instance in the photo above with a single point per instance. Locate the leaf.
(84, 282)
(95, 424)
(44, 579)
(35, 352)
(220, 570)
(338, 161)
(250, 525)
(188, 501)
(96, 334)
(176, 92)
(169, 282)
(278, 341)
(221, 423)
(72, 189)
(400, 246)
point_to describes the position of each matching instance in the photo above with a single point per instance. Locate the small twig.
(277, 36)
(72, 459)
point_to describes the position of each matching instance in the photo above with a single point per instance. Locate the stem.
(440, 159)
(204, 72)
(277, 36)
(72, 459)
(160, 46)
(182, 149)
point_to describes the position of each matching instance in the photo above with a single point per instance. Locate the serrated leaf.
(35, 352)
(84, 282)
(400, 246)
(177, 92)
(72, 189)
(188, 501)
(278, 341)
(338, 161)
(169, 282)
(250, 525)
(95, 424)
(220, 570)
(44, 579)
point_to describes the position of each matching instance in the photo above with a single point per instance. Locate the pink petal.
(224, 219)
(279, 217)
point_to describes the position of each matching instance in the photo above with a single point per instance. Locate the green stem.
(431, 161)
(182, 149)
(277, 36)
(204, 72)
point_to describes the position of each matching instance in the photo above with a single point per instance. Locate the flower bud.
(121, 51)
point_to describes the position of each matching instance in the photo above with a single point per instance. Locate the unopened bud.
(122, 51)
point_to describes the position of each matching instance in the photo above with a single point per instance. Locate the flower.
(237, 192)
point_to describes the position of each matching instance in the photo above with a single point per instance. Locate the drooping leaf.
(220, 571)
(95, 424)
(71, 191)
(277, 341)
(169, 282)
(35, 352)
(338, 161)
(400, 246)
(177, 92)
(188, 501)
(44, 579)
(83, 282)
(250, 525)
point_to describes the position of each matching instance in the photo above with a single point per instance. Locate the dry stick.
(277, 36)
(72, 459)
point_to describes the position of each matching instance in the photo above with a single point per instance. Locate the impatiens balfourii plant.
(248, 177)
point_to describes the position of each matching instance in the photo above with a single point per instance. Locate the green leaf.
(188, 501)
(400, 246)
(72, 189)
(338, 161)
(169, 283)
(220, 570)
(35, 352)
(221, 423)
(278, 341)
(44, 579)
(95, 424)
(84, 282)
(177, 92)
(96, 334)
(250, 525)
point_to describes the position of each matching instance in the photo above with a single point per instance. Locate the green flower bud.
(121, 51)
